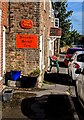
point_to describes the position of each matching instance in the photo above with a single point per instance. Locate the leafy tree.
(81, 41)
(61, 12)
(75, 37)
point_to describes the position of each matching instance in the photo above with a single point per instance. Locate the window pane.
(80, 58)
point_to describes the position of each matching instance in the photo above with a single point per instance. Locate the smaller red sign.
(26, 41)
(26, 24)
(55, 31)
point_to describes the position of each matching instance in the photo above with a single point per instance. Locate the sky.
(77, 15)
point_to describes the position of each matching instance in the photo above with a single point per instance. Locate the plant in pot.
(31, 79)
(35, 73)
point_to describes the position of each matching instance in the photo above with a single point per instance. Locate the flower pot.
(28, 81)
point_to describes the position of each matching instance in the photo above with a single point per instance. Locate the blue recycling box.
(15, 75)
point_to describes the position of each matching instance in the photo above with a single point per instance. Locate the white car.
(80, 85)
(76, 61)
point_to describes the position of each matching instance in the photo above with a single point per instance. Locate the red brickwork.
(4, 13)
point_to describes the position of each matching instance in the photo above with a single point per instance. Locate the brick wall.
(4, 13)
(26, 59)
(22, 59)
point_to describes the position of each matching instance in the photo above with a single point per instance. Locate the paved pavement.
(49, 103)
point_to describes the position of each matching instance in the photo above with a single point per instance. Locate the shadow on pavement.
(61, 64)
(79, 108)
(59, 78)
(47, 107)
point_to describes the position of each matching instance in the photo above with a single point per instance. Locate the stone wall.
(45, 24)
(22, 59)
(26, 59)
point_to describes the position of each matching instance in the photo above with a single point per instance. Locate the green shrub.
(35, 73)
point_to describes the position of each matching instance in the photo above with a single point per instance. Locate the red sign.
(26, 24)
(55, 31)
(26, 41)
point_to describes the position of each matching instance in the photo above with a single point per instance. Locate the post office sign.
(26, 24)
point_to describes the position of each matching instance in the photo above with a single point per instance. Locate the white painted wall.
(41, 53)
(4, 63)
(0, 42)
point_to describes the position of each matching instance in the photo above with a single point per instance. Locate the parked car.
(69, 54)
(80, 85)
(76, 61)
(76, 46)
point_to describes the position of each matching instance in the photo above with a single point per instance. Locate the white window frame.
(56, 19)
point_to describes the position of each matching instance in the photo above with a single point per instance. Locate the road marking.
(75, 115)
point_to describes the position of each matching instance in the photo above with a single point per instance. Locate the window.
(80, 58)
(56, 22)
